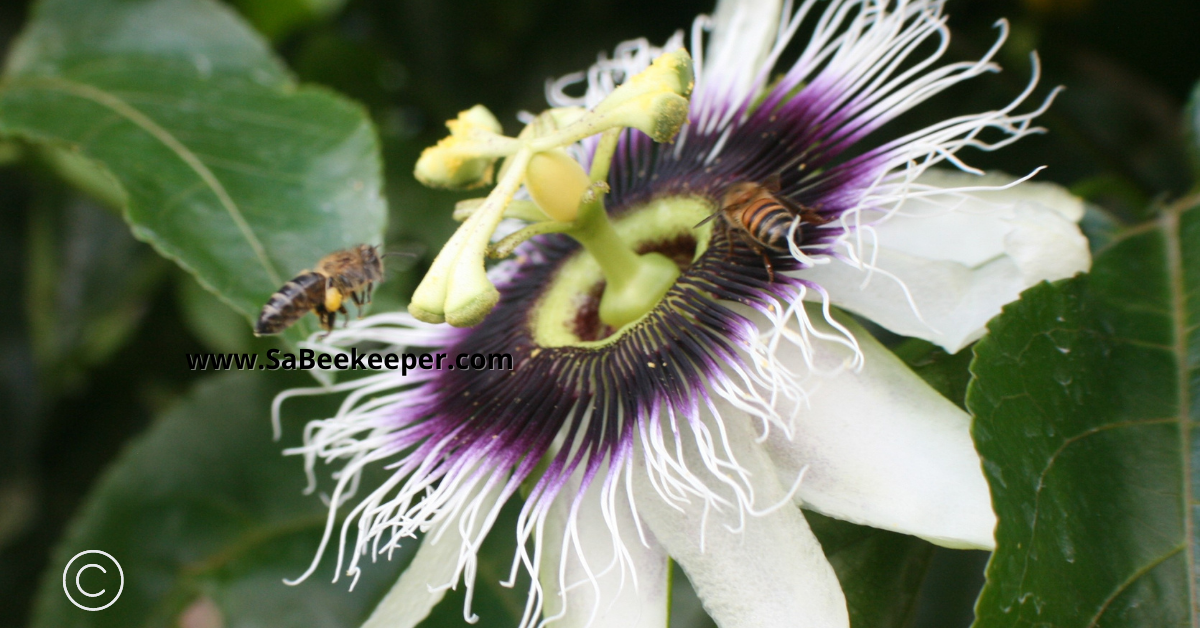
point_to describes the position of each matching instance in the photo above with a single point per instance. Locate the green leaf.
(1192, 128)
(211, 321)
(1099, 226)
(204, 508)
(224, 164)
(90, 282)
(944, 372)
(880, 571)
(279, 18)
(1085, 402)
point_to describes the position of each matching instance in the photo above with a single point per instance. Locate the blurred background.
(96, 324)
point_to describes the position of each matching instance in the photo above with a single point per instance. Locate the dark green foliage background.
(94, 386)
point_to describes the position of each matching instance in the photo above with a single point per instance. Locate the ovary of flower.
(556, 182)
(456, 288)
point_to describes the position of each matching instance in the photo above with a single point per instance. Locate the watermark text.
(307, 359)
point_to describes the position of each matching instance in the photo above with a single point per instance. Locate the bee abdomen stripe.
(769, 220)
(294, 291)
(291, 302)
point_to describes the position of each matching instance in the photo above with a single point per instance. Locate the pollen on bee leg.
(333, 299)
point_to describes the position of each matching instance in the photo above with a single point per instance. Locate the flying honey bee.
(341, 275)
(762, 217)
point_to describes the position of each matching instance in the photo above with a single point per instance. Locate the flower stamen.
(456, 289)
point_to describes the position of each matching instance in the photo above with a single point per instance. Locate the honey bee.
(341, 275)
(762, 217)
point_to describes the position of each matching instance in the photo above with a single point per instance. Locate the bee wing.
(808, 214)
(792, 206)
(772, 183)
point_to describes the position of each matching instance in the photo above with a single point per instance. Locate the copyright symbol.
(95, 579)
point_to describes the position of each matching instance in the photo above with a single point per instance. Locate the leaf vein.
(100, 97)
(1124, 586)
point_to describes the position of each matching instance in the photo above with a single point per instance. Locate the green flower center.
(565, 199)
(568, 312)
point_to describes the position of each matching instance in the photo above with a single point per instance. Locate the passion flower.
(678, 388)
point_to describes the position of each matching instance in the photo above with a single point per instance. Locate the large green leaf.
(946, 373)
(219, 159)
(880, 571)
(279, 18)
(89, 284)
(1192, 129)
(1085, 396)
(203, 510)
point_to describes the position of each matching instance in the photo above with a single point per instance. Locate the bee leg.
(758, 248)
(368, 292)
(770, 267)
(327, 320)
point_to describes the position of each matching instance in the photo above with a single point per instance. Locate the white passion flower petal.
(751, 566)
(650, 400)
(436, 566)
(880, 447)
(410, 600)
(960, 246)
(744, 33)
(615, 574)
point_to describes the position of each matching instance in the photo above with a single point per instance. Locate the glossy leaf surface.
(880, 571)
(1191, 124)
(1086, 415)
(217, 157)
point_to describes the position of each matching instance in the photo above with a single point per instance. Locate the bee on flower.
(683, 384)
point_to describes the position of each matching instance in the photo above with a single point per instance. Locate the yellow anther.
(670, 72)
(456, 288)
(654, 101)
(477, 118)
(657, 114)
(465, 158)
